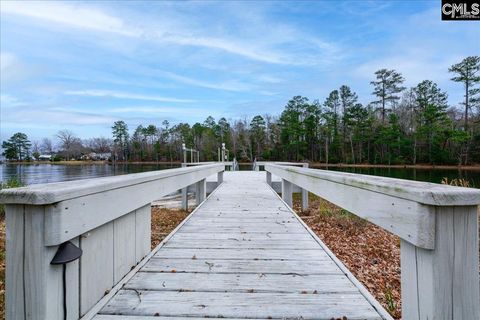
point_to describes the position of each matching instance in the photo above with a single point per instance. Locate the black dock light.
(67, 252)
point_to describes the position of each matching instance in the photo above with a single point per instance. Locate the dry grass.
(369, 252)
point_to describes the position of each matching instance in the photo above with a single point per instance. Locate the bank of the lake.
(44, 172)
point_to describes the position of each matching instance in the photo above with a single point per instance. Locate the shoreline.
(397, 166)
(82, 162)
(474, 167)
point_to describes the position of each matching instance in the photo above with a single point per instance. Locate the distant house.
(45, 157)
(99, 156)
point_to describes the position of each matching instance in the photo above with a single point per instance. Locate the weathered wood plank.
(409, 219)
(242, 254)
(119, 317)
(15, 237)
(417, 191)
(123, 245)
(254, 228)
(259, 282)
(42, 282)
(287, 192)
(242, 266)
(96, 263)
(239, 243)
(241, 305)
(143, 220)
(442, 283)
(293, 237)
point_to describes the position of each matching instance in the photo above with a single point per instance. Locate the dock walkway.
(242, 253)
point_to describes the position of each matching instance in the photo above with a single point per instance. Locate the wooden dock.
(242, 253)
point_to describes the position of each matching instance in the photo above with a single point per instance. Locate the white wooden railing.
(107, 218)
(437, 224)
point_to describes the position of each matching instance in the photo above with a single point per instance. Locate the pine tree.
(468, 73)
(17, 147)
(386, 88)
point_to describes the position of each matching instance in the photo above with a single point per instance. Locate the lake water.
(43, 173)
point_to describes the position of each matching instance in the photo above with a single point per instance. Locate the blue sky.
(83, 65)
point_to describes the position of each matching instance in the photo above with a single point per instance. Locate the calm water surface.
(43, 173)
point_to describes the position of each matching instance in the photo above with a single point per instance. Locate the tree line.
(401, 126)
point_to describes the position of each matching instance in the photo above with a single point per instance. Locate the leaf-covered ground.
(164, 221)
(369, 252)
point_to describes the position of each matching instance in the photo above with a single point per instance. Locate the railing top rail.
(421, 192)
(42, 194)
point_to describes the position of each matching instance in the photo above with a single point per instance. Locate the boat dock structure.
(242, 253)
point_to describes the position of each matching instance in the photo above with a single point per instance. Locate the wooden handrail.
(107, 218)
(437, 224)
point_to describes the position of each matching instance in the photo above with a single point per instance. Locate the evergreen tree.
(467, 72)
(17, 147)
(120, 137)
(257, 135)
(331, 116)
(386, 87)
(348, 100)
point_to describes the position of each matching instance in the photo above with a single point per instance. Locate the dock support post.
(304, 199)
(269, 178)
(287, 192)
(443, 283)
(200, 191)
(184, 192)
(304, 194)
(219, 178)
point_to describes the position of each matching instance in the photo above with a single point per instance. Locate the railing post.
(219, 178)
(184, 192)
(287, 192)
(200, 191)
(443, 283)
(34, 286)
(269, 178)
(305, 194)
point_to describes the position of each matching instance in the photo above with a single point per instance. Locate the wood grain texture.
(407, 218)
(242, 266)
(123, 245)
(42, 282)
(14, 242)
(247, 282)
(143, 221)
(242, 254)
(417, 191)
(96, 264)
(49, 193)
(241, 305)
(442, 283)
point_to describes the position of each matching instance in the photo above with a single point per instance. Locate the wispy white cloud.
(8, 101)
(272, 47)
(125, 95)
(158, 110)
(229, 85)
(72, 15)
(51, 116)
